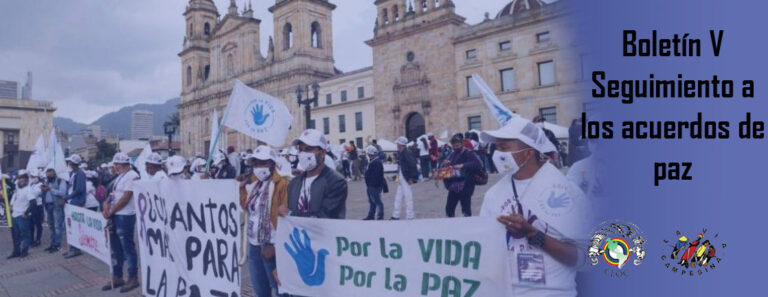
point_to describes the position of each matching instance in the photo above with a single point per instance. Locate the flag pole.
(218, 133)
(7, 207)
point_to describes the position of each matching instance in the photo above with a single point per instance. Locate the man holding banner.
(319, 191)
(121, 210)
(543, 212)
(261, 196)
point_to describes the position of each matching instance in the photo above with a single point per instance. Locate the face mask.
(307, 161)
(262, 173)
(505, 162)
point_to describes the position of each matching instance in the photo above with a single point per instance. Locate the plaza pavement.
(42, 274)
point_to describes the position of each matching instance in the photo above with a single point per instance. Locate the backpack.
(480, 177)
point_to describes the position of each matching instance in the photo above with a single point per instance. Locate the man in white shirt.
(22, 202)
(120, 209)
(154, 166)
(543, 212)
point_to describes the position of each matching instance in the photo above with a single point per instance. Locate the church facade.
(423, 54)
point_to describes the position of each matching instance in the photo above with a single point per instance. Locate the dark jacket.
(79, 193)
(226, 172)
(374, 176)
(328, 195)
(407, 164)
(471, 165)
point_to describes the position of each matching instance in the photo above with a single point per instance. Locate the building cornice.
(449, 19)
(283, 3)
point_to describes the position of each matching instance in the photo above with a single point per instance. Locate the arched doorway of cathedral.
(414, 126)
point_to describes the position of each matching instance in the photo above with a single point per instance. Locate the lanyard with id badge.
(530, 261)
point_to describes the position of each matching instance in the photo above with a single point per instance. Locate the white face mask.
(307, 161)
(505, 162)
(262, 173)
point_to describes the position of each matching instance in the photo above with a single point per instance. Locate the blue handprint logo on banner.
(259, 117)
(311, 268)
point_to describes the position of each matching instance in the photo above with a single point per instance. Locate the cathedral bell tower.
(303, 33)
(201, 16)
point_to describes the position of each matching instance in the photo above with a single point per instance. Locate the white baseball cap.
(312, 137)
(154, 158)
(263, 153)
(197, 162)
(74, 158)
(218, 156)
(523, 130)
(402, 141)
(371, 150)
(175, 164)
(22, 172)
(121, 158)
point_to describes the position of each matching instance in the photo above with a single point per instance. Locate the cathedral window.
(424, 5)
(437, 3)
(207, 29)
(230, 64)
(207, 72)
(316, 39)
(189, 75)
(396, 13)
(190, 30)
(287, 36)
(385, 16)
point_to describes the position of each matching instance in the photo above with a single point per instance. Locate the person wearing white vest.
(543, 212)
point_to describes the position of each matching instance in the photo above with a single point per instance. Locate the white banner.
(437, 257)
(188, 235)
(87, 231)
(258, 115)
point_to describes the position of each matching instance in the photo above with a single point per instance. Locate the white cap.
(371, 150)
(263, 153)
(218, 157)
(523, 130)
(74, 158)
(175, 164)
(312, 137)
(22, 172)
(103, 165)
(121, 158)
(154, 158)
(90, 174)
(402, 141)
(197, 162)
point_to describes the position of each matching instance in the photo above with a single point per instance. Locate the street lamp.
(300, 90)
(170, 129)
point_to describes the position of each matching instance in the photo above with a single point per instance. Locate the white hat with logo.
(371, 150)
(263, 153)
(74, 158)
(121, 158)
(523, 130)
(312, 137)
(175, 164)
(154, 158)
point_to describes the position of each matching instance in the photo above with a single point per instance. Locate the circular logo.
(616, 251)
(616, 242)
(260, 116)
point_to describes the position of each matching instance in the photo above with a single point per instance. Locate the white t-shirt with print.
(123, 184)
(306, 189)
(533, 272)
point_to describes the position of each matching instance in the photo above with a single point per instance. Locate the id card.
(530, 269)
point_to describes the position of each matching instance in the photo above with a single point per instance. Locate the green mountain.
(119, 122)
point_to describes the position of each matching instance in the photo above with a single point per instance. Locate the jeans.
(426, 161)
(122, 245)
(464, 197)
(36, 223)
(20, 234)
(55, 222)
(374, 202)
(261, 272)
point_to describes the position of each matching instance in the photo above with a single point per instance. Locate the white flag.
(258, 115)
(39, 156)
(214, 133)
(56, 156)
(499, 111)
(141, 162)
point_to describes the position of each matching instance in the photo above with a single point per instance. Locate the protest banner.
(87, 231)
(435, 257)
(188, 235)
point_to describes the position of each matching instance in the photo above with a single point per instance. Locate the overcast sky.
(91, 57)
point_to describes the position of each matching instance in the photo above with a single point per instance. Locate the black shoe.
(380, 218)
(394, 219)
(34, 244)
(110, 286)
(48, 249)
(71, 255)
(368, 219)
(23, 255)
(54, 249)
(130, 284)
(14, 255)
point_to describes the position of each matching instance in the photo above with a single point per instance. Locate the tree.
(104, 152)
